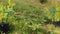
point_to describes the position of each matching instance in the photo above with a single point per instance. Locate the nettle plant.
(5, 11)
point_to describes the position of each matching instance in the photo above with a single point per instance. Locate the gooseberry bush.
(29, 19)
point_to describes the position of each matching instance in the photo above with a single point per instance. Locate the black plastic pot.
(4, 27)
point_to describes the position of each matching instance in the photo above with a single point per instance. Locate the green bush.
(28, 19)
